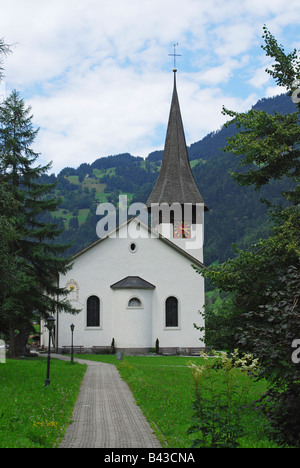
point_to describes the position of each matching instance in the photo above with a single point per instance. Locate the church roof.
(175, 183)
(132, 282)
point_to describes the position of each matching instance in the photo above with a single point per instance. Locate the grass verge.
(32, 415)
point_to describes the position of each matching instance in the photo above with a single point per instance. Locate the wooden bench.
(76, 349)
(195, 351)
(167, 351)
(103, 350)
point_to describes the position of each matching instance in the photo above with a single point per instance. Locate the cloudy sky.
(99, 78)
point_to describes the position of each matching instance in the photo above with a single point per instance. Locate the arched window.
(171, 312)
(93, 312)
(134, 302)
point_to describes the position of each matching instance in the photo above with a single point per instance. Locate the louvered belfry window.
(93, 312)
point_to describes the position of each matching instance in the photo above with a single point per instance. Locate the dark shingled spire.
(175, 183)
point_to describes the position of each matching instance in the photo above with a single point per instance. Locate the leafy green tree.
(270, 144)
(35, 291)
(263, 282)
(286, 67)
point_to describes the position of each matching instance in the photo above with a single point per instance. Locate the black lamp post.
(50, 326)
(72, 330)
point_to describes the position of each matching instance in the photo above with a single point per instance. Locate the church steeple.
(175, 183)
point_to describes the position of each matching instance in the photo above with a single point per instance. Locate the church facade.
(135, 286)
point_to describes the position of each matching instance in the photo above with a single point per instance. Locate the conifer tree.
(5, 49)
(34, 291)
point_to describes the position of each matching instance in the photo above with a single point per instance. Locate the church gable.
(141, 232)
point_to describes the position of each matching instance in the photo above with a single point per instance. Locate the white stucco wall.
(132, 325)
(111, 260)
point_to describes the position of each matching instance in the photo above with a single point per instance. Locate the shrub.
(221, 398)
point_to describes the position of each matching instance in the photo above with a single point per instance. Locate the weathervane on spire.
(175, 55)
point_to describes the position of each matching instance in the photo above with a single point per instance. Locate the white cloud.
(260, 78)
(98, 75)
(271, 91)
(234, 39)
(99, 114)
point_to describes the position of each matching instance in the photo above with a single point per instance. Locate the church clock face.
(182, 230)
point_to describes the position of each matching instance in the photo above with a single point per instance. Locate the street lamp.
(72, 330)
(50, 326)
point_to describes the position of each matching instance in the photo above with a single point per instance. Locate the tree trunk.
(18, 342)
(21, 341)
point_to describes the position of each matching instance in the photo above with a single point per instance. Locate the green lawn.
(163, 388)
(32, 415)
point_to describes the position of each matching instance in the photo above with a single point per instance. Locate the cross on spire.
(175, 55)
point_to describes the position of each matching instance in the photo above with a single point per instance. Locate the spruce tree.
(35, 291)
(8, 270)
(5, 49)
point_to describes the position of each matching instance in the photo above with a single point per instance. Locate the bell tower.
(175, 203)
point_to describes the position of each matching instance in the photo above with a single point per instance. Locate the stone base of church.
(181, 351)
(170, 351)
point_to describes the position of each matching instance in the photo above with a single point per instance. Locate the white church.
(135, 286)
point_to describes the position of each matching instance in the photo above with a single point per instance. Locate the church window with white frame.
(171, 312)
(93, 312)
